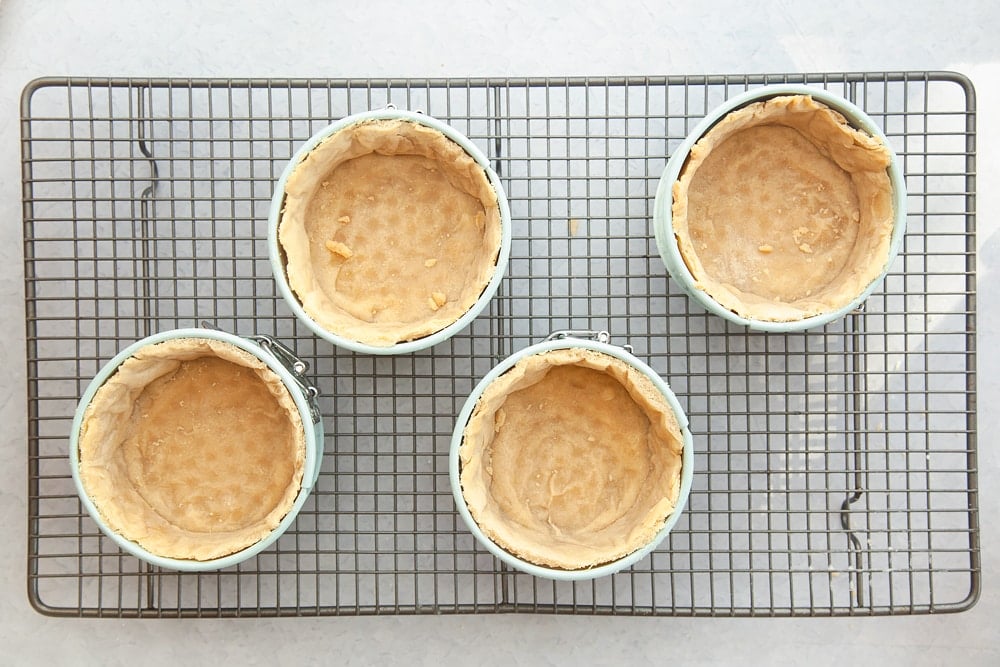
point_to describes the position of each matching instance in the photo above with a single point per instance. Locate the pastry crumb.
(344, 219)
(436, 300)
(429, 263)
(574, 226)
(806, 248)
(339, 249)
(326, 184)
(765, 248)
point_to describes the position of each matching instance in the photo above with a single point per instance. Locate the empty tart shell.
(571, 459)
(193, 449)
(390, 231)
(784, 211)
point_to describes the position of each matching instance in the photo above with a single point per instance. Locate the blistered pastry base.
(200, 478)
(784, 211)
(391, 232)
(571, 459)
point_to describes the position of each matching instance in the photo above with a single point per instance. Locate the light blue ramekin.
(276, 256)
(663, 228)
(557, 342)
(304, 398)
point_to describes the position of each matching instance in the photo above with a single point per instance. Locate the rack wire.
(835, 469)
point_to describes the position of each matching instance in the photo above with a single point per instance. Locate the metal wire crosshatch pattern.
(835, 469)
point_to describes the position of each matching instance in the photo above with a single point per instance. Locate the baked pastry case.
(835, 469)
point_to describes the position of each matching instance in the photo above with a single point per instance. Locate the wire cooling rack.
(835, 469)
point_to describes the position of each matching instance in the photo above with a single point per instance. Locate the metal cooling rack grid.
(836, 470)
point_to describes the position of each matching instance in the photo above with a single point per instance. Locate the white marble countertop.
(442, 38)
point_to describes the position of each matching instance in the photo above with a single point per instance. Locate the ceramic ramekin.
(666, 240)
(597, 341)
(276, 254)
(276, 357)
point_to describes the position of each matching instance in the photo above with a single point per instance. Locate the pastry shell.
(391, 232)
(569, 461)
(192, 452)
(783, 210)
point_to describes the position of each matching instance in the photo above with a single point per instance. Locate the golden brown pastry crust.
(391, 232)
(193, 448)
(571, 459)
(784, 211)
